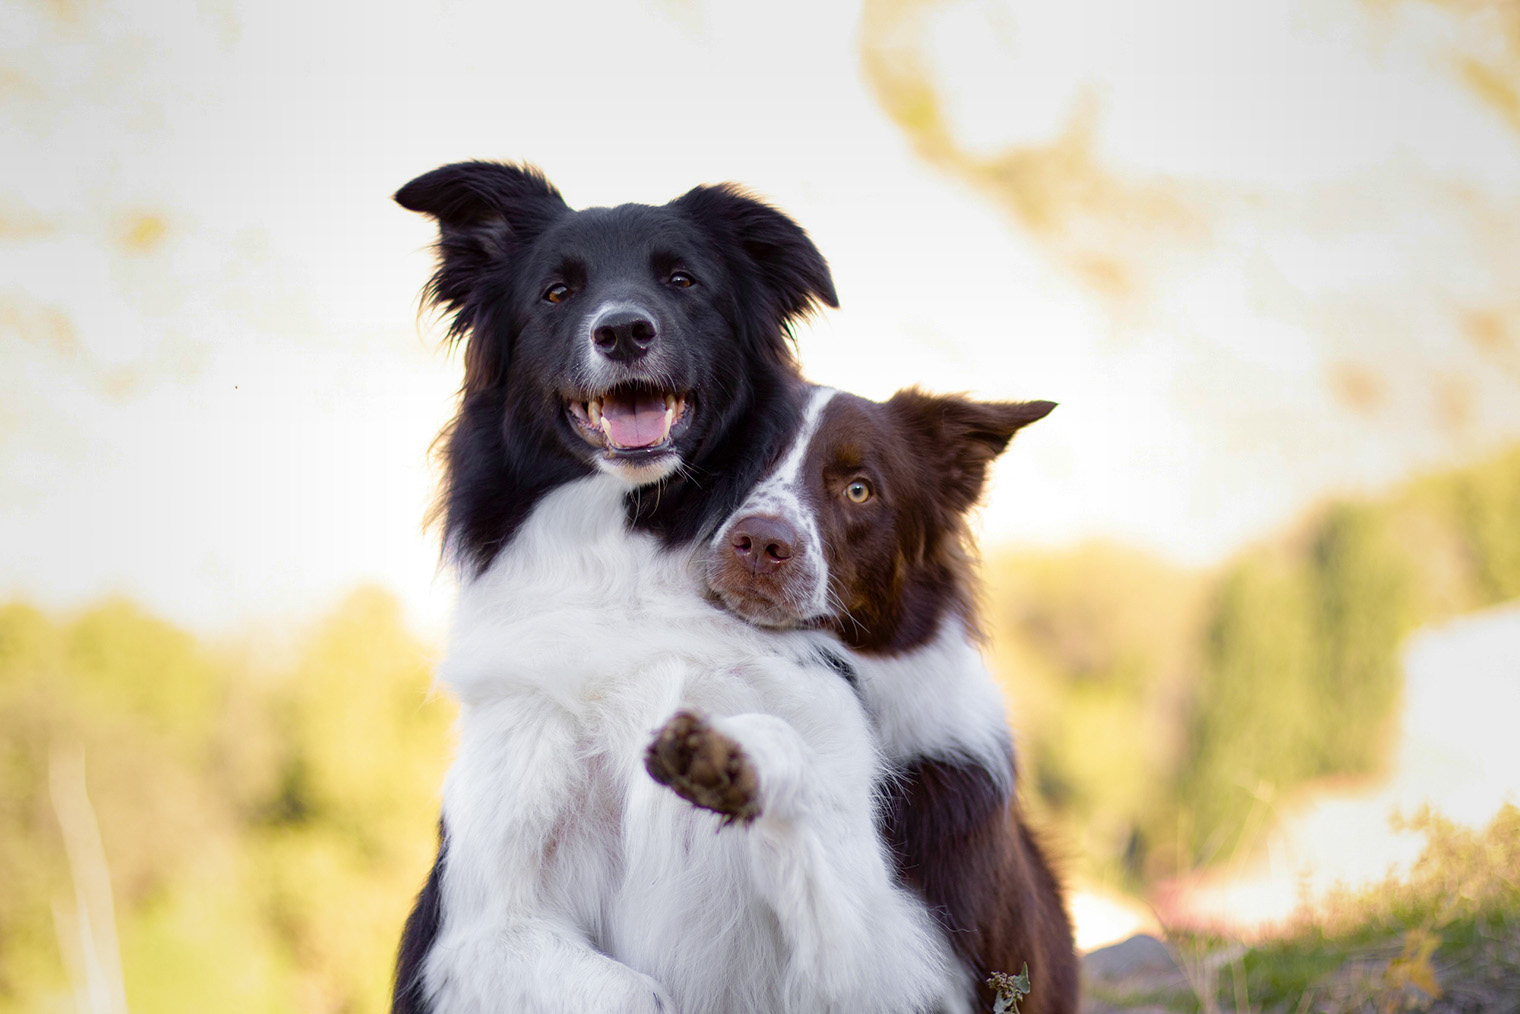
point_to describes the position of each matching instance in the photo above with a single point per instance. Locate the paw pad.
(704, 767)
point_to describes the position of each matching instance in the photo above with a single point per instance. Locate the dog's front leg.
(537, 967)
(856, 940)
(520, 869)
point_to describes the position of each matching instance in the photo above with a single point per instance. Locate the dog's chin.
(760, 611)
(639, 472)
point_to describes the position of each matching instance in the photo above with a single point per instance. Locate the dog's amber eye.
(682, 280)
(858, 491)
(557, 293)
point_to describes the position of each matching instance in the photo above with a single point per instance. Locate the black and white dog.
(627, 381)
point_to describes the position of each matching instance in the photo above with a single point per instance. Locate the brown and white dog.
(862, 529)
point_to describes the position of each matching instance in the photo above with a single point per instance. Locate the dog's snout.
(624, 334)
(763, 543)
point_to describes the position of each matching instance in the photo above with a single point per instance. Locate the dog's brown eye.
(858, 491)
(558, 293)
(682, 280)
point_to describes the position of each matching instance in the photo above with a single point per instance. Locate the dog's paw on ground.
(705, 767)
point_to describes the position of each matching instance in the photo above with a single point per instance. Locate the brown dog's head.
(861, 527)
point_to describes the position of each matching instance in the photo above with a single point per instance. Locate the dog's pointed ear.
(792, 276)
(963, 436)
(483, 210)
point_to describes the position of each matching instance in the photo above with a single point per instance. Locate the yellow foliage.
(1412, 967)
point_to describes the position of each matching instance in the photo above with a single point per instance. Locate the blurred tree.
(1163, 715)
(265, 826)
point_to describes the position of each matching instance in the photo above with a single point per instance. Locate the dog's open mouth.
(631, 420)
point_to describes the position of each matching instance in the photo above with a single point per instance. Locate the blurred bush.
(1441, 937)
(266, 810)
(1163, 714)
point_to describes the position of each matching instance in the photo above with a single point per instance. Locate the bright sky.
(215, 395)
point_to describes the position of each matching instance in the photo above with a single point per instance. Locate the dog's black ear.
(963, 436)
(483, 210)
(792, 276)
(471, 194)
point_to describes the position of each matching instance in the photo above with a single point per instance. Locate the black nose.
(763, 543)
(623, 335)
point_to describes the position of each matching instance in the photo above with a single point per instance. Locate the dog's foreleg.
(856, 941)
(536, 968)
(512, 934)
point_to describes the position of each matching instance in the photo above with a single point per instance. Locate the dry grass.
(1443, 939)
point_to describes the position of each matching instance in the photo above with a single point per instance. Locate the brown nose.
(763, 543)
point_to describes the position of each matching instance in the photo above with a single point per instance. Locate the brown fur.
(963, 844)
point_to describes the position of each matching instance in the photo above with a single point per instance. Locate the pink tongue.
(638, 421)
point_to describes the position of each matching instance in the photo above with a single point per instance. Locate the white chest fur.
(573, 882)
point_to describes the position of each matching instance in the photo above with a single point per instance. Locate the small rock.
(1140, 957)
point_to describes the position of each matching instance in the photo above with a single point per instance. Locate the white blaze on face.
(783, 494)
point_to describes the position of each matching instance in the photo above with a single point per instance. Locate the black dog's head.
(635, 340)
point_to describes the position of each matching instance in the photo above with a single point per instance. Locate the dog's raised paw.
(704, 767)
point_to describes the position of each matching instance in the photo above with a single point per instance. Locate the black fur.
(417, 938)
(506, 237)
(839, 666)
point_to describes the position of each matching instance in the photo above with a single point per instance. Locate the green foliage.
(1096, 648)
(1164, 714)
(1009, 990)
(1482, 506)
(265, 823)
(1301, 671)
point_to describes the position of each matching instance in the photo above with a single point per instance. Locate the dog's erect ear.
(483, 209)
(792, 275)
(963, 436)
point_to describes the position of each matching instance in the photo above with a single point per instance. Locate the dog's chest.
(567, 657)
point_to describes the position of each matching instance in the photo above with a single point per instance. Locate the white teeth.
(589, 413)
(673, 406)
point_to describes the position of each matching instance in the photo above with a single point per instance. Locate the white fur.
(783, 494)
(938, 700)
(574, 882)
